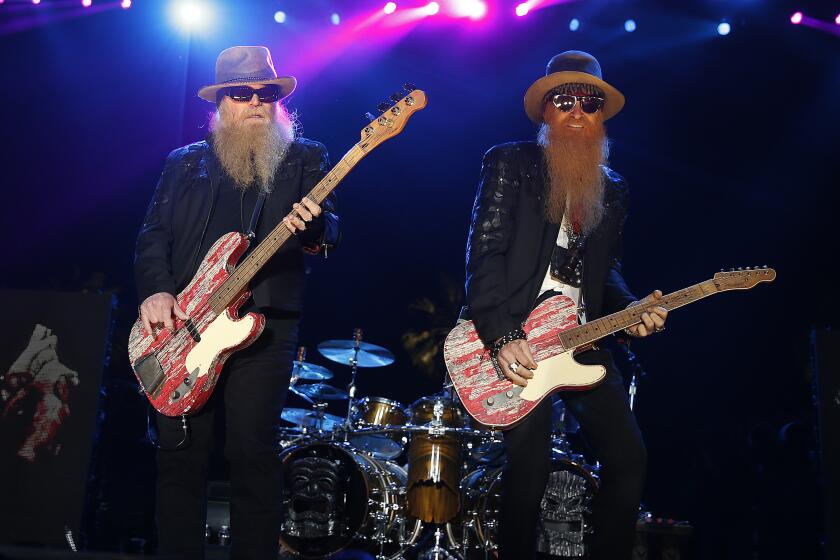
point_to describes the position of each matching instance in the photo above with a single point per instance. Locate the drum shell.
(359, 494)
(434, 462)
(371, 412)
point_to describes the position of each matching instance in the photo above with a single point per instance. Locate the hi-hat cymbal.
(310, 372)
(311, 419)
(343, 352)
(321, 392)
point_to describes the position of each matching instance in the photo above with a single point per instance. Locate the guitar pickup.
(501, 400)
(192, 330)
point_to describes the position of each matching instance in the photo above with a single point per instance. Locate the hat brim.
(535, 96)
(287, 86)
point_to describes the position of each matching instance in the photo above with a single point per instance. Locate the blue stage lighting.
(724, 28)
(280, 16)
(630, 26)
(335, 19)
(574, 25)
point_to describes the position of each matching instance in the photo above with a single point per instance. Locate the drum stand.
(351, 388)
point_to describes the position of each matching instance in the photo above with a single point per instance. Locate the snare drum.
(434, 460)
(334, 496)
(373, 412)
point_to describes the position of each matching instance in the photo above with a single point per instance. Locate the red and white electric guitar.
(554, 336)
(178, 368)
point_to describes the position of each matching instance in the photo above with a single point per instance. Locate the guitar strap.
(255, 217)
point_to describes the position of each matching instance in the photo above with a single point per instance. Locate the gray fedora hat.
(240, 66)
(571, 67)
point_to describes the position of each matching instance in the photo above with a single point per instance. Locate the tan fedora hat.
(571, 67)
(241, 66)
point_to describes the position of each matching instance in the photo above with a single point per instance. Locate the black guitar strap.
(255, 217)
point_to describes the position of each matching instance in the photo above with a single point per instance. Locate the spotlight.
(188, 14)
(432, 8)
(796, 18)
(837, 19)
(390, 7)
(125, 4)
(724, 28)
(280, 16)
(630, 26)
(522, 9)
(36, 2)
(473, 9)
(87, 3)
(335, 19)
(574, 25)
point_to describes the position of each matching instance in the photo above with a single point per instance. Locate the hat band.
(249, 79)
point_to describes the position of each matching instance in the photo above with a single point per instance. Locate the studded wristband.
(515, 334)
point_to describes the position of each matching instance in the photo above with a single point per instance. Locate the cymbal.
(343, 351)
(311, 419)
(321, 392)
(310, 372)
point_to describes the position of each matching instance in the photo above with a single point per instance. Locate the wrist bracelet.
(515, 334)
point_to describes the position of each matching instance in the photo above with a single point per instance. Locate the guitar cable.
(156, 442)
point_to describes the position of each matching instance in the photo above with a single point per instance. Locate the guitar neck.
(592, 331)
(245, 272)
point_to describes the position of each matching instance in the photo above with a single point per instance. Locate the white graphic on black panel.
(34, 395)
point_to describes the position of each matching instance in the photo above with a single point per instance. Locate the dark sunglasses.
(588, 103)
(243, 94)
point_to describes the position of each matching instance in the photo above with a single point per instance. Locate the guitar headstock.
(393, 117)
(743, 278)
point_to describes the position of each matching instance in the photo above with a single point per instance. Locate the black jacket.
(510, 244)
(167, 247)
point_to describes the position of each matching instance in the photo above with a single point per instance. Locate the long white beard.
(251, 154)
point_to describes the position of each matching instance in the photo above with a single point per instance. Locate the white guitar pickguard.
(560, 370)
(224, 332)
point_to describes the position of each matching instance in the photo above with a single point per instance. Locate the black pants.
(253, 383)
(611, 431)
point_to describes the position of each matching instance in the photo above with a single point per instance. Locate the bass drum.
(564, 517)
(334, 496)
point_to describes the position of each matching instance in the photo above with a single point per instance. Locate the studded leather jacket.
(510, 244)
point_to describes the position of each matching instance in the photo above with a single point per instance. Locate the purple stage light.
(837, 19)
(473, 9)
(36, 2)
(432, 8)
(87, 3)
(796, 18)
(390, 7)
(522, 9)
(125, 4)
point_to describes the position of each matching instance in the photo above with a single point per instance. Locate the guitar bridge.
(500, 400)
(150, 373)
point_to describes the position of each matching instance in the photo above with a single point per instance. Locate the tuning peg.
(370, 116)
(409, 87)
(395, 97)
(384, 106)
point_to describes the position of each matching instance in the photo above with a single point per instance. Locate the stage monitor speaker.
(53, 352)
(825, 359)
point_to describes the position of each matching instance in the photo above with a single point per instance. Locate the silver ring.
(659, 329)
(513, 366)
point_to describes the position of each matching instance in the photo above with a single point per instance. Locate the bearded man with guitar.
(548, 220)
(251, 174)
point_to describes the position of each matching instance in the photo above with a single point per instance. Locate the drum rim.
(349, 452)
(373, 398)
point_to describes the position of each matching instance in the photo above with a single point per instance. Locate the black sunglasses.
(242, 94)
(588, 103)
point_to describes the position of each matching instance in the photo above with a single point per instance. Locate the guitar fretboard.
(599, 328)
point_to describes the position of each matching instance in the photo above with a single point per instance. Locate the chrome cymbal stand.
(351, 388)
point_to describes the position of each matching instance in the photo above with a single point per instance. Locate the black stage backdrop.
(729, 145)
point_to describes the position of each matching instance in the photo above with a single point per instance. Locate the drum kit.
(404, 482)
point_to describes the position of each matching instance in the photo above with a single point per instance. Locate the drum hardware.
(306, 371)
